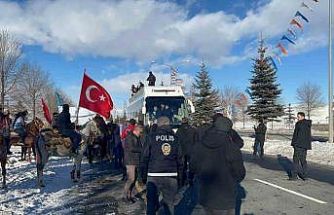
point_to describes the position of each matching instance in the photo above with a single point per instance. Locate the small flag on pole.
(288, 39)
(282, 48)
(292, 33)
(306, 6)
(295, 22)
(302, 16)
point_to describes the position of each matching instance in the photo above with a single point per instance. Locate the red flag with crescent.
(95, 98)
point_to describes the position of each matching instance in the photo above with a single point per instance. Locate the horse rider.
(20, 124)
(6, 121)
(64, 126)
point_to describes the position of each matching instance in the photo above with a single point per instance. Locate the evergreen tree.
(263, 90)
(206, 98)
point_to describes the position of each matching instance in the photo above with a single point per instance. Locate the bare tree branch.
(10, 52)
(310, 97)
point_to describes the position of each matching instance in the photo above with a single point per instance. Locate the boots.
(72, 174)
(40, 182)
(4, 182)
(78, 174)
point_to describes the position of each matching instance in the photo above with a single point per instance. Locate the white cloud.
(145, 30)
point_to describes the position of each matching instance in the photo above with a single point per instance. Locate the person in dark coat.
(162, 161)
(116, 143)
(151, 79)
(65, 127)
(217, 162)
(132, 155)
(186, 135)
(6, 131)
(20, 124)
(260, 136)
(102, 126)
(54, 120)
(301, 142)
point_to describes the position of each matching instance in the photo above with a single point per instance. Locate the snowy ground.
(322, 153)
(23, 197)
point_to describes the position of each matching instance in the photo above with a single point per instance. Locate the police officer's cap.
(163, 121)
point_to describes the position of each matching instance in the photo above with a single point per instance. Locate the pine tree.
(206, 98)
(263, 90)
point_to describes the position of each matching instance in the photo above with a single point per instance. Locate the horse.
(32, 129)
(51, 143)
(3, 161)
(100, 146)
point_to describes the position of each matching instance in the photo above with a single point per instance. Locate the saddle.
(53, 138)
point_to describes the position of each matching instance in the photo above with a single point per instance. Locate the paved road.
(265, 190)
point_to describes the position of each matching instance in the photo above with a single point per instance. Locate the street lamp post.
(330, 77)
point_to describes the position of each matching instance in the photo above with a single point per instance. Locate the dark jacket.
(64, 121)
(218, 163)
(260, 132)
(162, 153)
(151, 80)
(186, 135)
(132, 151)
(302, 135)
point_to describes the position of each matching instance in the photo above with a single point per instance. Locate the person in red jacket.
(124, 134)
(128, 129)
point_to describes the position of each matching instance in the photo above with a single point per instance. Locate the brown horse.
(3, 160)
(32, 128)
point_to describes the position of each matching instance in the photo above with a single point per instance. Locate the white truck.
(150, 102)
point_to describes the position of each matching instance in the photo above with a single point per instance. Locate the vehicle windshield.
(171, 107)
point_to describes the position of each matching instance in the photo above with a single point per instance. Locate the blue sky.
(116, 40)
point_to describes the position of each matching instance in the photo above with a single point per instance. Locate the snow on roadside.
(22, 195)
(322, 153)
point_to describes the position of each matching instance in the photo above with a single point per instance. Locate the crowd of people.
(166, 161)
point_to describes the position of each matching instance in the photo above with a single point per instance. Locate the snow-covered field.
(322, 153)
(22, 195)
(318, 116)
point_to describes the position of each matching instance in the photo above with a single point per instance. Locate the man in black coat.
(186, 135)
(132, 155)
(151, 79)
(162, 160)
(64, 126)
(301, 142)
(260, 136)
(217, 162)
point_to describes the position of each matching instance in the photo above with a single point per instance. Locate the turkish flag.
(95, 98)
(46, 111)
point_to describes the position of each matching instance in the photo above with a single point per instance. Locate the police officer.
(162, 159)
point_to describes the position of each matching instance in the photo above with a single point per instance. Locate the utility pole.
(330, 77)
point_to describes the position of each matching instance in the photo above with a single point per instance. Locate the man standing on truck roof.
(151, 79)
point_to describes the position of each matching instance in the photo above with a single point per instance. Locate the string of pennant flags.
(296, 28)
